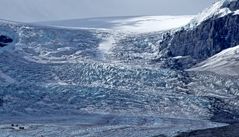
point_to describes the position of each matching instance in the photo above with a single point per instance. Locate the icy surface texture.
(111, 83)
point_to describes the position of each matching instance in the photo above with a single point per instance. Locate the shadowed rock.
(227, 131)
(4, 40)
(233, 5)
(209, 38)
(205, 40)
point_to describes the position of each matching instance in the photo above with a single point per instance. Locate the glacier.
(119, 81)
(134, 24)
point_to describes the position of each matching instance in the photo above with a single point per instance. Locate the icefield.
(102, 81)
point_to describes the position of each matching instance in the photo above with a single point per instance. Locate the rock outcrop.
(227, 131)
(5, 40)
(219, 31)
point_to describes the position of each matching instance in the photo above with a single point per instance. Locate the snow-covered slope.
(225, 63)
(210, 32)
(219, 9)
(140, 24)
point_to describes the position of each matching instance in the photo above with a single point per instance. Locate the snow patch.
(236, 12)
(152, 23)
(208, 13)
(223, 12)
(141, 24)
(106, 45)
(216, 10)
(225, 63)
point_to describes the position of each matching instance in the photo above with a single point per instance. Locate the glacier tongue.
(61, 72)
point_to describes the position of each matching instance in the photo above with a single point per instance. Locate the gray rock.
(227, 131)
(4, 40)
(205, 40)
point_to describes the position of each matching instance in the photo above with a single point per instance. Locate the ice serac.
(212, 31)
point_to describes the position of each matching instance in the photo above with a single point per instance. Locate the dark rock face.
(207, 39)
(3, 45)
(227, 131)
(4, 40)
(1, 101)
(223, 112)
(160, 136)
(233, 6)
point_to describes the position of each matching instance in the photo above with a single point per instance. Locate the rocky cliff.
(212, 31)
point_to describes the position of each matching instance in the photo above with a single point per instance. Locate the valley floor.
(98, 125)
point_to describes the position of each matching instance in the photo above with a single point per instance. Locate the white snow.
(223, 12)
(106, 45)
(208, 13)
(225, 63)
(120, 26)
(216, 9)
(236, 12)
(64, 49)
(141, 24)
(152, 23)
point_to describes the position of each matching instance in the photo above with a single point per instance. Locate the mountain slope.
(209, 33)
(225, 62)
